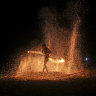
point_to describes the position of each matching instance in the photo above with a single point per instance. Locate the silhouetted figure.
(46, 53)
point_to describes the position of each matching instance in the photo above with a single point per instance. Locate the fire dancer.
(46, 51)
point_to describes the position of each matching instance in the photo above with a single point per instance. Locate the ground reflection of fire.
(57, 76)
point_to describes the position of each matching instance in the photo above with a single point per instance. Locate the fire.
(34, 63)
(61, 61)
(57, 60)
(34, 52)
(51, 59)
(62, 45)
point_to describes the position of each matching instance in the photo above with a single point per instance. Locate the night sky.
(20, 25)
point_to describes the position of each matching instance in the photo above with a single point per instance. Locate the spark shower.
(65, 44)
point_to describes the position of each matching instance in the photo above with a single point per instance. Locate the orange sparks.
(34, 52)
(57, 60)
(51, 59)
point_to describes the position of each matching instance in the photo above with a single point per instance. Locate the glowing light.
(34, 52)
(86, 59)
(62, 60)
(51, 59)
(56, 60)
(28, 51)
(60, 42)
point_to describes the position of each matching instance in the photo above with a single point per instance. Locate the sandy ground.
(70, 86)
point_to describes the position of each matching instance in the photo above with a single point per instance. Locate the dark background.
(20, 25)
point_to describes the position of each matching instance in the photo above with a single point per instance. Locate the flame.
(51, 59)
(61, 61)
(55, 40)
(57, 60)
(34, 52)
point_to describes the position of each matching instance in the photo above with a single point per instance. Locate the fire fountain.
(65, 59)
